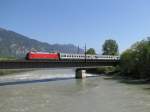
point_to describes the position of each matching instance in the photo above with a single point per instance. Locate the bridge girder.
(57, 64)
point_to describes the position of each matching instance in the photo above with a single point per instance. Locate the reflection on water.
(70, 95)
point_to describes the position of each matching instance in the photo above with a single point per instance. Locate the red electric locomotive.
(33, 55)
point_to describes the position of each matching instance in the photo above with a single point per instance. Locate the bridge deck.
(20, 64)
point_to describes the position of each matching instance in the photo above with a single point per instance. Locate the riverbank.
(12, 71)
(127, 80)
(9, 71)
(112, 74)
(102, 70)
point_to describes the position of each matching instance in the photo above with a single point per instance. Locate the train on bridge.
(34, 55)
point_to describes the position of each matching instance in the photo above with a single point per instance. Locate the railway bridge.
(80, 65)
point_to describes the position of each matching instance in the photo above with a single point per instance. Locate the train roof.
(42, 52)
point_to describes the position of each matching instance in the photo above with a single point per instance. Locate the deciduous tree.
(90, 51)
(110, 47)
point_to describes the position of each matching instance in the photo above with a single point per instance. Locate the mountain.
(13, 44)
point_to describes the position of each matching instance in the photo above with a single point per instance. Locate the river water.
(58, 91)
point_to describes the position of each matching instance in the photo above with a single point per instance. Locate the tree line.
(110, 47)
(134, 62)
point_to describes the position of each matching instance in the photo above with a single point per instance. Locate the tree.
(110, 47)
(136, 61)
(90, 51)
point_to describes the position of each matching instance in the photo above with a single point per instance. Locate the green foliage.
(106, 70)
(110, 47)
(90, 51)
(135, 62)
(102, 70)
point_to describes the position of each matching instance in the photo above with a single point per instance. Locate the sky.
(78, 21)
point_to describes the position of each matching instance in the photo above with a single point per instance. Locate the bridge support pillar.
(80, 74)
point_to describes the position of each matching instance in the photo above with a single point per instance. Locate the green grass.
(10, 71)
(7, 58)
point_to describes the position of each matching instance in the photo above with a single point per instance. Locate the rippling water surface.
(58, 91)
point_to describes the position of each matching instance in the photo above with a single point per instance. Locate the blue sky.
(78, 21)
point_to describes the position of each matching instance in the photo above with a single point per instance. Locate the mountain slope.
(13, 44)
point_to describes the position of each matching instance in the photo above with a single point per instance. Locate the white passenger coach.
(90, 57)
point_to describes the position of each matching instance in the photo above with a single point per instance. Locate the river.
(58, 91)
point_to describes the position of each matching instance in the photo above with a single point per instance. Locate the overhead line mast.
(85, 52)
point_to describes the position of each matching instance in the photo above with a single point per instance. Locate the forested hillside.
(13, 44)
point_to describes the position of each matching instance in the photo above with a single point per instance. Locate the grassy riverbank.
(7, 58)
(113, 73)
(9, 71)
(102, 70)
(12, 71)
(126, 80)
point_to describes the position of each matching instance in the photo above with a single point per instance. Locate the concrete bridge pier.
(80, 74)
